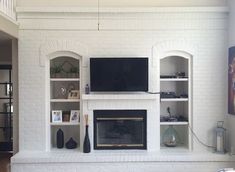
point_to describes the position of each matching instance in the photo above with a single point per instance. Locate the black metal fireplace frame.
(119, 114)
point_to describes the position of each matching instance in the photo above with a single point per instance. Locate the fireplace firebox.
(120, 129)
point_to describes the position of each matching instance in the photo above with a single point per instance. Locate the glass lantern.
(220, 137)
(171, 137)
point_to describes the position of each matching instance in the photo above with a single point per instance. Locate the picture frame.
(74, 116)
(56, 116)
(66, 116)
(73, 94)
(231, 81)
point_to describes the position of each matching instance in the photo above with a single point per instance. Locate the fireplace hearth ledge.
(122, 96)
(34, 157)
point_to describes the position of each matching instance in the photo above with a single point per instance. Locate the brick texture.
(123, 35)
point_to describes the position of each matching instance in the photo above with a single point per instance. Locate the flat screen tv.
(119, 74)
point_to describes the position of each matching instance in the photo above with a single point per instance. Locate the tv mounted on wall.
(119, 74)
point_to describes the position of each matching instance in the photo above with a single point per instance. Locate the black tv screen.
(119, 74)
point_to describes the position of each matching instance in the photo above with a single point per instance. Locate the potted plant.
(56, 71)
(74, 72)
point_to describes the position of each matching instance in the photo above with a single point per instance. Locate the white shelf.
(64, 123)
(170, 64)
(65, 100)
(174, 99)
(174, 123)
(65, 150)
(64, 79)
(178, 149)
(174, 79)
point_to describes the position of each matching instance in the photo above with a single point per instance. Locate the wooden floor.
(5, 162)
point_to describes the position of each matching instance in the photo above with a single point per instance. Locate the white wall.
(132, 36)
(122, 3)
(8, 26)
(123, 34)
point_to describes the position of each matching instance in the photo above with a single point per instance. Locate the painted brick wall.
(124, 34)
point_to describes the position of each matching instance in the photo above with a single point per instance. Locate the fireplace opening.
(120, 129)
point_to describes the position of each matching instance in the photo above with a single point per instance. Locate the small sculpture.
(71, 144)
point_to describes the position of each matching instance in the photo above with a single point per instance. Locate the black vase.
(60, 139)
(86, 143)
(71, 144)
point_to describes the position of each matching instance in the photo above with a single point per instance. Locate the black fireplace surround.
(120, 129)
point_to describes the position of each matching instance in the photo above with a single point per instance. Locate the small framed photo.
(73, 94)
(56, 116)
(74, 116)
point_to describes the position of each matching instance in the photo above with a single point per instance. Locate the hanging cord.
(194, 134)
(98, 13)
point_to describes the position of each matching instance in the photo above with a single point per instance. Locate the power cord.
(194, 134)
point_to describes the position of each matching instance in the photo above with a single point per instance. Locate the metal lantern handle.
(220, 124)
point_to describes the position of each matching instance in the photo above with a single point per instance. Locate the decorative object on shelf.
(170, 137)
(168, 95)
(66, 116)
(7, 120)
(8, 107)
(56, 116)
(178, 118)
(86, 143)
(73, 72)
(172, 94)
(180, 74)
(177, 75)
(167, 76)
(56, 71)
(171, 118)
(71, 87)
(74, 116)
(60, 139)
(71, 144)
(73, 94)
(8, 89)
(87, 89)
(183, 95)
(220, 137)
(65, 69)
(70, 70)
(60, 91)
(63, 92)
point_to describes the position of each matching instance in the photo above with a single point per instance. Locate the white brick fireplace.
(126, 102)
(140, 32)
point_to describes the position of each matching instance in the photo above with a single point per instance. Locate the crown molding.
(121, 10)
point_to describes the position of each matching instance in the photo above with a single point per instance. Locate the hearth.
(120, 129)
